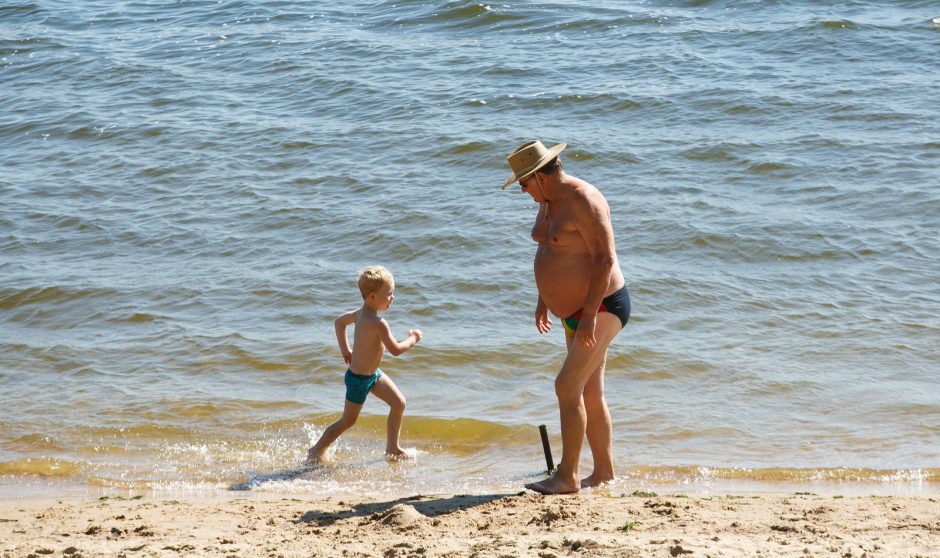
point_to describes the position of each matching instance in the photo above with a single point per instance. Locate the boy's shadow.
(428, 506)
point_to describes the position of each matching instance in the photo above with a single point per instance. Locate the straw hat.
(528, 158)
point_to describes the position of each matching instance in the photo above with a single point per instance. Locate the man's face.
(530, 185)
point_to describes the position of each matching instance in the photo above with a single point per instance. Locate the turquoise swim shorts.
(359, 386)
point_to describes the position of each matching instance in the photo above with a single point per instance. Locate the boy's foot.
(553, 485)
(594, 480)
(313, 459)
(398, 454)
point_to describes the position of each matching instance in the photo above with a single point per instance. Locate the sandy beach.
(497, 525)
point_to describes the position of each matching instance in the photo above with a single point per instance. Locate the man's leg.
(599, 429)
(579, 366)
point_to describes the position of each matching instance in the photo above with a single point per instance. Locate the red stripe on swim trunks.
(577, 315)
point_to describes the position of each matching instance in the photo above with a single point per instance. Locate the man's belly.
(563, 279)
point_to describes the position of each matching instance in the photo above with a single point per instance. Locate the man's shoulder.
(585, 196)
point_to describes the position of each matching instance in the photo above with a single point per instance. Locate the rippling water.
(189, 190)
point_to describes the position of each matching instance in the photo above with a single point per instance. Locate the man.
(579, 280)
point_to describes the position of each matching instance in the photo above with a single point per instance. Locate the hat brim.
(552, 153)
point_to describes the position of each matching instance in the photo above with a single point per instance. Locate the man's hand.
(417, 334)
(347, 356)
(585, 333)
(542, 322)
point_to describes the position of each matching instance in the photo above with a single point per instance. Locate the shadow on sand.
(428, 506)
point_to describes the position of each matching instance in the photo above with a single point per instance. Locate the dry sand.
(496, 525)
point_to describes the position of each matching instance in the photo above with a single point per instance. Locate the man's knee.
(567, 389)
(593, 393)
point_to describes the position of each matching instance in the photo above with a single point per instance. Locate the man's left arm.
(593, 216)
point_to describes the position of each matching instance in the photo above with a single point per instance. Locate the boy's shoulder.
(368, 318)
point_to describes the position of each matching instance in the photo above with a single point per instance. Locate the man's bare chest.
(557, 228)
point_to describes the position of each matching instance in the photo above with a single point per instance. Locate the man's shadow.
(428, 506)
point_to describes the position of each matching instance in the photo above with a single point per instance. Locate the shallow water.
(188, 192)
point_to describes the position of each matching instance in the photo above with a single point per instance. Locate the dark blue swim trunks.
(359, 386)
(617, 303)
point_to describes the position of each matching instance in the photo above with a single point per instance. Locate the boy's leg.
(386, 390)
(350, 414)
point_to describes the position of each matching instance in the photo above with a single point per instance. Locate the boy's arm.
(393, 346)
(341, 324)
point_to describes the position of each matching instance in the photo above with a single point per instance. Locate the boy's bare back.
(368, 347)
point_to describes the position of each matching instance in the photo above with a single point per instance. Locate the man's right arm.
(542, 321)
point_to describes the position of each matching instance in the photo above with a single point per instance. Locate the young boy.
(372, 335)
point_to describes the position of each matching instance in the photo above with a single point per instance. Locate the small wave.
(745, 109)
(300, 145)
(468, 432)
(139, 318)
(595, 104)
(857, 112)
(769, 167)
(782, 474)
(506, 359)
(795, 239)
(723, 153)
(42, 466)
(16, 129)
(17, 298)
(140, 432)
(838, 24)
(14, 9)
(451, 16)
(470, 147)
(680, 435)
(189, 414)
(612, 101)
(32, 442)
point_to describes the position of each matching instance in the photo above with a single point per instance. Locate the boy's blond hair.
(373, 278)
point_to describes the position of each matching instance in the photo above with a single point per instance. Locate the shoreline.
(499, 524)
(18, 488)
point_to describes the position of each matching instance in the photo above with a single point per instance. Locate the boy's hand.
(347, 356)
(417, 333)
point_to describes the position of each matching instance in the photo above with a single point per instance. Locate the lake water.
(188, 190)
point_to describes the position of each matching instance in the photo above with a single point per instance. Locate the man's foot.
(595, 480)
(553, 485)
